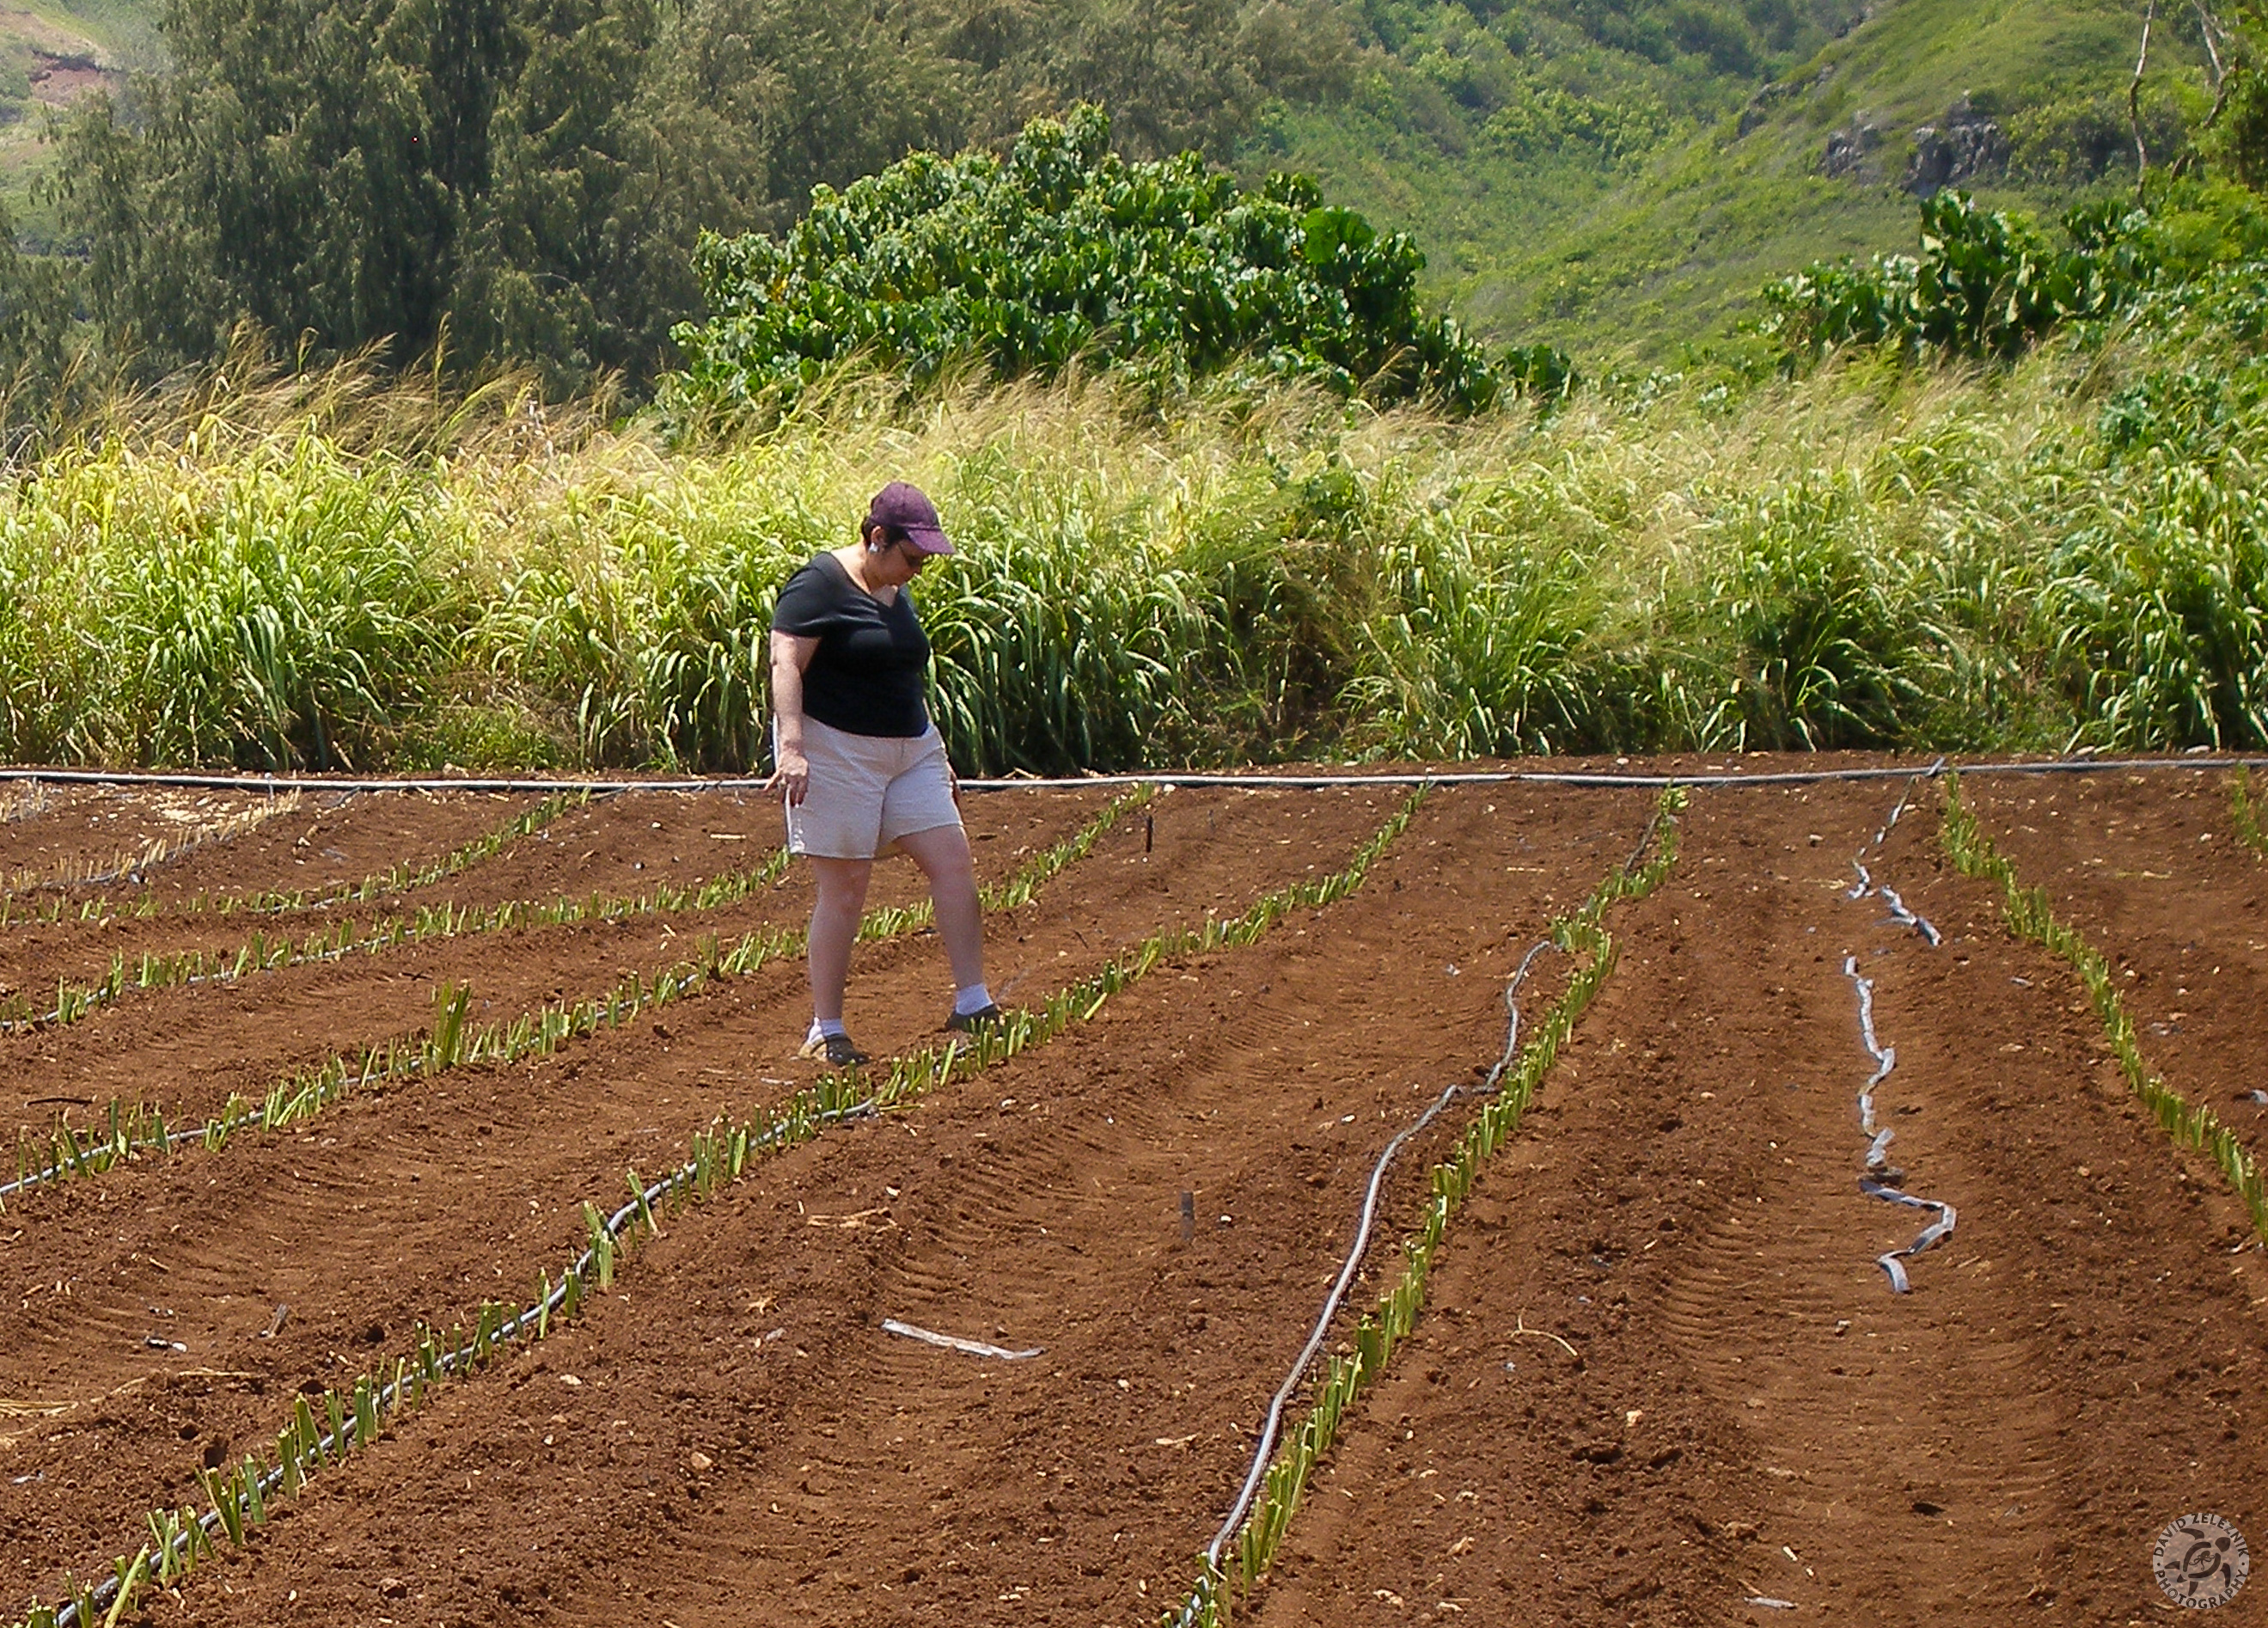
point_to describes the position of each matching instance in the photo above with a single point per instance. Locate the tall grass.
(322, 573)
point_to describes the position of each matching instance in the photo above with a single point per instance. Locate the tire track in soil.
(189, 1048)
(2151, 871)
(884, 1481)
(405, 1207)
(2072, 1370)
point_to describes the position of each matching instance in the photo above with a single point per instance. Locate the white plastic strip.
(1867, 884)
(974, 1348)
(1879, 1181)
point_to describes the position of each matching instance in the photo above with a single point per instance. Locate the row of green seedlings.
(134, 865)
(401, 878)
(2030, 915)
(1222, 1584)
(262, 954)
(2241, 809)
(239, 1499)
(327, 1430)
(139, 1128)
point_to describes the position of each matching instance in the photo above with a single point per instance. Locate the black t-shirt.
(866, 676)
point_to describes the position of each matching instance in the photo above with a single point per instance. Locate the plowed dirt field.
(1660, 1375)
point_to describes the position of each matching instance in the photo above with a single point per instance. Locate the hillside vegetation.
(1226, 491)
(1618, 179)
(525, 181)
(52, 54)
(2069, 550)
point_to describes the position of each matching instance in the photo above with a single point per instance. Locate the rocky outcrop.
(1847, 148)
(1761, 104)
(1964, 146)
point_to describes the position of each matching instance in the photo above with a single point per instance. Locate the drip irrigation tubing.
(95, 1000)
(1192, 1609)
(1274, 1424)
(212, 1132)
(679, 982)
(1879, 1180)
(138, 871)
(1867, 884)
(384, 1397)
(1306, 783)
(477, 924)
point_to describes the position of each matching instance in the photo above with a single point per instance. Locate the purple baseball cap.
(904, 508)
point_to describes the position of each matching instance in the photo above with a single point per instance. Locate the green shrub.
(1064, 253)
(1985, 284)
(2161, 607)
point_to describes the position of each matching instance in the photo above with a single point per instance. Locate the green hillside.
(1620, 200)
(51, 53)
(1615, 177)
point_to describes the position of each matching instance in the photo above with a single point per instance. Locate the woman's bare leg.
(943, 855)
(834, 928)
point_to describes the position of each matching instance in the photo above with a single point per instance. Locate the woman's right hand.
(791, 653)
(792, 773)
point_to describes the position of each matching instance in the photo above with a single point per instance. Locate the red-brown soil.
(187, 1049)
(1660, 1376)
(55, 838)
(393, 1175)
(2165, 887)
(1750, 1414)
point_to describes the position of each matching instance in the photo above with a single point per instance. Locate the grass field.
(1877, 554)
(1628, 255)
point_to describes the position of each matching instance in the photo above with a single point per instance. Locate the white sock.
(822, 1027)
(974, 999)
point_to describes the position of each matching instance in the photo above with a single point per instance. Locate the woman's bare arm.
(791, 654)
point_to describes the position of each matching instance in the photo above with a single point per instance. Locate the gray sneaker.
(837, 1050)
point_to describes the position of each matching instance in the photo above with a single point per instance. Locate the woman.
(863, 767)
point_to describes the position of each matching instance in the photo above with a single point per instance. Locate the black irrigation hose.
(1879, 1181)
(1309, 783)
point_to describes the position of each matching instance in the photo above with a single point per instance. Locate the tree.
(514, 179)
(1063, 252)
(526, 181)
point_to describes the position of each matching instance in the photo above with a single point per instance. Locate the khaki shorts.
(868, 791)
